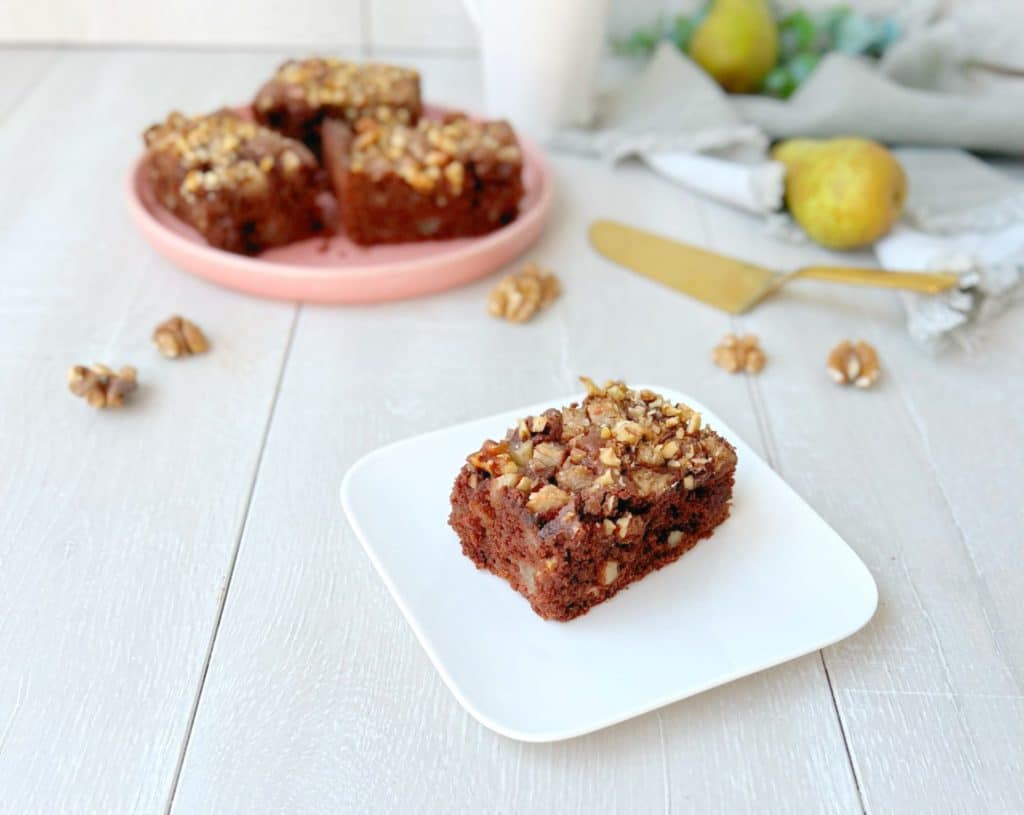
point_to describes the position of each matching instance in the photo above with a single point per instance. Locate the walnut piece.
(735, 354)
(547, 498)
(519, 297)
(100, 386)
(854, 363)
(176, 337)
(618, 444)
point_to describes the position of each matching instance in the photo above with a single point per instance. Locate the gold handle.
(927, 282)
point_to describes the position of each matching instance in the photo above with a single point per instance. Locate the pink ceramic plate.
(335, 270)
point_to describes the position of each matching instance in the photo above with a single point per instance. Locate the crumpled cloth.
(991, 269)
(935, 87)
(677, 119)
(955, 82)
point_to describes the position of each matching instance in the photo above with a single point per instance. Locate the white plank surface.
(20, 72)
(184, 22)
(329, 668)
(117, 529)
(119, 533)
(920, 474)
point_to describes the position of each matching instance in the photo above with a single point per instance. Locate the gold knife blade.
(723, 282)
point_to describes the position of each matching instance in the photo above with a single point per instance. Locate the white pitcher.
(540, 60)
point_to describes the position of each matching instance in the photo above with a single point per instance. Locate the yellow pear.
(845, 193)
(737, 43)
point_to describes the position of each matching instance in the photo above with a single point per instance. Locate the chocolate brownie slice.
(243, 187)
(575, 504)
(438, 179)
(302, 93)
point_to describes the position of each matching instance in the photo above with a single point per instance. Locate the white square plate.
(773, 583)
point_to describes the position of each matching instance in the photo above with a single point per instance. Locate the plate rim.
(520, 234)
(639, 710)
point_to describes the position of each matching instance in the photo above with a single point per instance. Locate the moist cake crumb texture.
(575, 504)
(438, 179)
(244, 187)
(302, 93)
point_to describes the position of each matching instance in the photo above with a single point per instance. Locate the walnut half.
(854, 364)
(177, 337)
(735, 354)
(100, 386)
(518, 297)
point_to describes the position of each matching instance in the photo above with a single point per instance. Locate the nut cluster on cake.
(434, 153)
(574, 504)
(355, 90)
(619, 444)
(224, 151)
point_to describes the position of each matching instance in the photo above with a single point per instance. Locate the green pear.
(845, 193)
(737, 43)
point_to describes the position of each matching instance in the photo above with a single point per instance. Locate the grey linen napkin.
(672, 106)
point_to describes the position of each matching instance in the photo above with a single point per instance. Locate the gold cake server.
(728, 283)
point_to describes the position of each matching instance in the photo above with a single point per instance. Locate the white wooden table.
(188, 625)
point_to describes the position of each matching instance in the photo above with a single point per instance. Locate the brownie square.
(302, 93)
(435, 180)
(243, 187)
(575, 504)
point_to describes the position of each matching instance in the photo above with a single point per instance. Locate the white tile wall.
(386, 24)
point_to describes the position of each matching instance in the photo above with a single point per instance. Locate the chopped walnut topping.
(675, 537)
(547, 499)
(575, 477)
(616, 449)
(739, 354)
(100, 386)
(609, 572)
(520, 296)
(854, 364)
(176, 337)
(223, 151)
(628, 431)
(493, 458)
(444, 155)
(608, 457)
(386, 92)
(547, 454)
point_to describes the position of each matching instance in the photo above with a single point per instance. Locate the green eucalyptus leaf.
(856, 34)
(778, 82)
(802, 66)
(797, 32)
